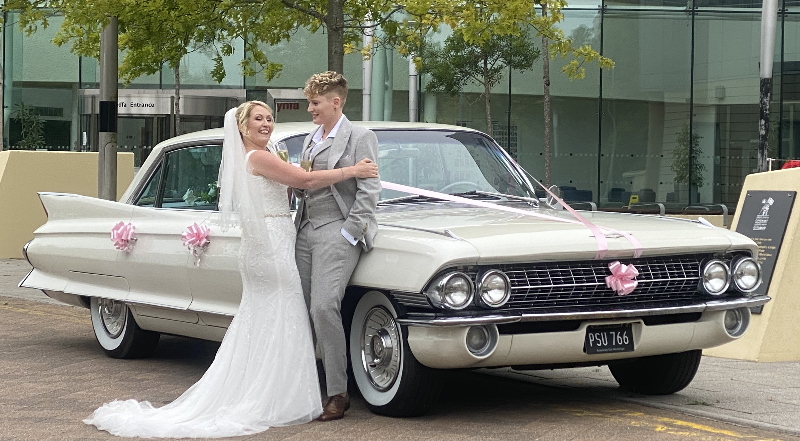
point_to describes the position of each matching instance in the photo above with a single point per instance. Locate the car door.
(175, 197)
(214, 278)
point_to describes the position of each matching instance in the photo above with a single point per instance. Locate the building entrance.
(146, 117)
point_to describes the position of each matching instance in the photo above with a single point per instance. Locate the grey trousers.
(325, 261)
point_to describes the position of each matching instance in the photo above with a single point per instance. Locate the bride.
(264, 373)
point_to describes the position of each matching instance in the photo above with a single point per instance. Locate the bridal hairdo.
(235, 203)
(243, 113)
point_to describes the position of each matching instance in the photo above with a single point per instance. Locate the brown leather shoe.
(335, 407)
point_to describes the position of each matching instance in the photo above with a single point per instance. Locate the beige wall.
(25, 173)
(774, 335)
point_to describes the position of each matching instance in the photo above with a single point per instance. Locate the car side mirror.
(551, 201)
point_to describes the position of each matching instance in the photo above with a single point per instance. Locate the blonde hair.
(325, 83)
(244, 110)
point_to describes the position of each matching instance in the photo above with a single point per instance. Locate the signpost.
(763, 218)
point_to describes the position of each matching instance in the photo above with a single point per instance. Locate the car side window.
(150, 193)
(190, 178)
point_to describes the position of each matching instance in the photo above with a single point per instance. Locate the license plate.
(604, 339)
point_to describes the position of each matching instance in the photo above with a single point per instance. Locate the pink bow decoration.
(196, 239)
(622, 278)
(123, 235)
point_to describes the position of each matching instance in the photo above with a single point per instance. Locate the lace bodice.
(273, 194)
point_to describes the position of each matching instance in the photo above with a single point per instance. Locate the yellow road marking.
(671, 426)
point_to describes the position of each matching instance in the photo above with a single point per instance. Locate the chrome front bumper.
(430, 320)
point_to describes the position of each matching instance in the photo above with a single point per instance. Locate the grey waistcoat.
(320, 205)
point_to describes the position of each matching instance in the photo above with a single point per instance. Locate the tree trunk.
(487, 93)
(547, 118)
(178, 99)
(335, 25)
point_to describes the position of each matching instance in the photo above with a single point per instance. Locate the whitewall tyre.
(117, 332)
(391, 380)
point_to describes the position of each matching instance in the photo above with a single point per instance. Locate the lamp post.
(107, 151)
(769, 19)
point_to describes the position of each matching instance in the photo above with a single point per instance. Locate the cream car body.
(555, 309)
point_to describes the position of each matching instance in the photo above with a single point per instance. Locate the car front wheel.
(659, 374)
(391, 380)
(117, 331)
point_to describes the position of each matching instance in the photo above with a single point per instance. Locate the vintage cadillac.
(470, 270)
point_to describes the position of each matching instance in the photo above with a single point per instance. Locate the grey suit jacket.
(357, 198)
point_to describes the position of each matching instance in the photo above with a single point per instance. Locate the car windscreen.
(446, 161)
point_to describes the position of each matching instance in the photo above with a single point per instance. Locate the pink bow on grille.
(622, 278)
(122, 236)
(196, 239)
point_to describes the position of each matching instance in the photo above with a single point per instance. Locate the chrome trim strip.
(446, 233)
(712, 305)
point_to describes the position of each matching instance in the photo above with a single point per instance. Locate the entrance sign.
(764, 217)
(144, 104)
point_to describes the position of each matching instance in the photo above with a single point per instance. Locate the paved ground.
(764, 396)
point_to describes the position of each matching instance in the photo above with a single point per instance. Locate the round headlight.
(456, 291)
(495, 289)
(746, 274)
(716, 277)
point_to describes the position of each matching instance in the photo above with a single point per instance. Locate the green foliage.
(483, 20)
(32, 126)
(681, 158)
(459, 63)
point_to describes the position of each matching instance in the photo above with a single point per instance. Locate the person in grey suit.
(334, 225)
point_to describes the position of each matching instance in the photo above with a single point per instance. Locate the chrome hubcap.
(112, 316)
(380, 340)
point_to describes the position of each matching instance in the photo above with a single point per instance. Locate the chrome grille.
(573, 285)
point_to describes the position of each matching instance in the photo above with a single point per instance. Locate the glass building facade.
(685, 84)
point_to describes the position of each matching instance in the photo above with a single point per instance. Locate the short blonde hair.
(325, 83)
(244, 110)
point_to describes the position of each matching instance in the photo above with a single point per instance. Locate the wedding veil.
(232, 173)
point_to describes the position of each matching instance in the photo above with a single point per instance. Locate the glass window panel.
(789, 84)
(645, 4)
(573, 4)
(729, 4)
(148, 196)
(726, 110)
(196, 67)
(645, 106)
(191, 178)
(35, 58)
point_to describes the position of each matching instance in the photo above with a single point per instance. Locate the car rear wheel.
(659, 374)
(391, 380)
(117, 331)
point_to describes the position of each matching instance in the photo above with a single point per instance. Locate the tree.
(481, 20)
(32, 134)
(459, 63)
(686, 162)
(346, 22)
(152, 33)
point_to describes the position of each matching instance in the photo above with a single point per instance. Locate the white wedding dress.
(264, 373)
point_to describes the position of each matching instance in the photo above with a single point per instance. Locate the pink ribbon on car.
(597, 232)
(196, 239)
(622, 278)
(122, 235)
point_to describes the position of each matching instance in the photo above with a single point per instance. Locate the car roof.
(284, 130)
